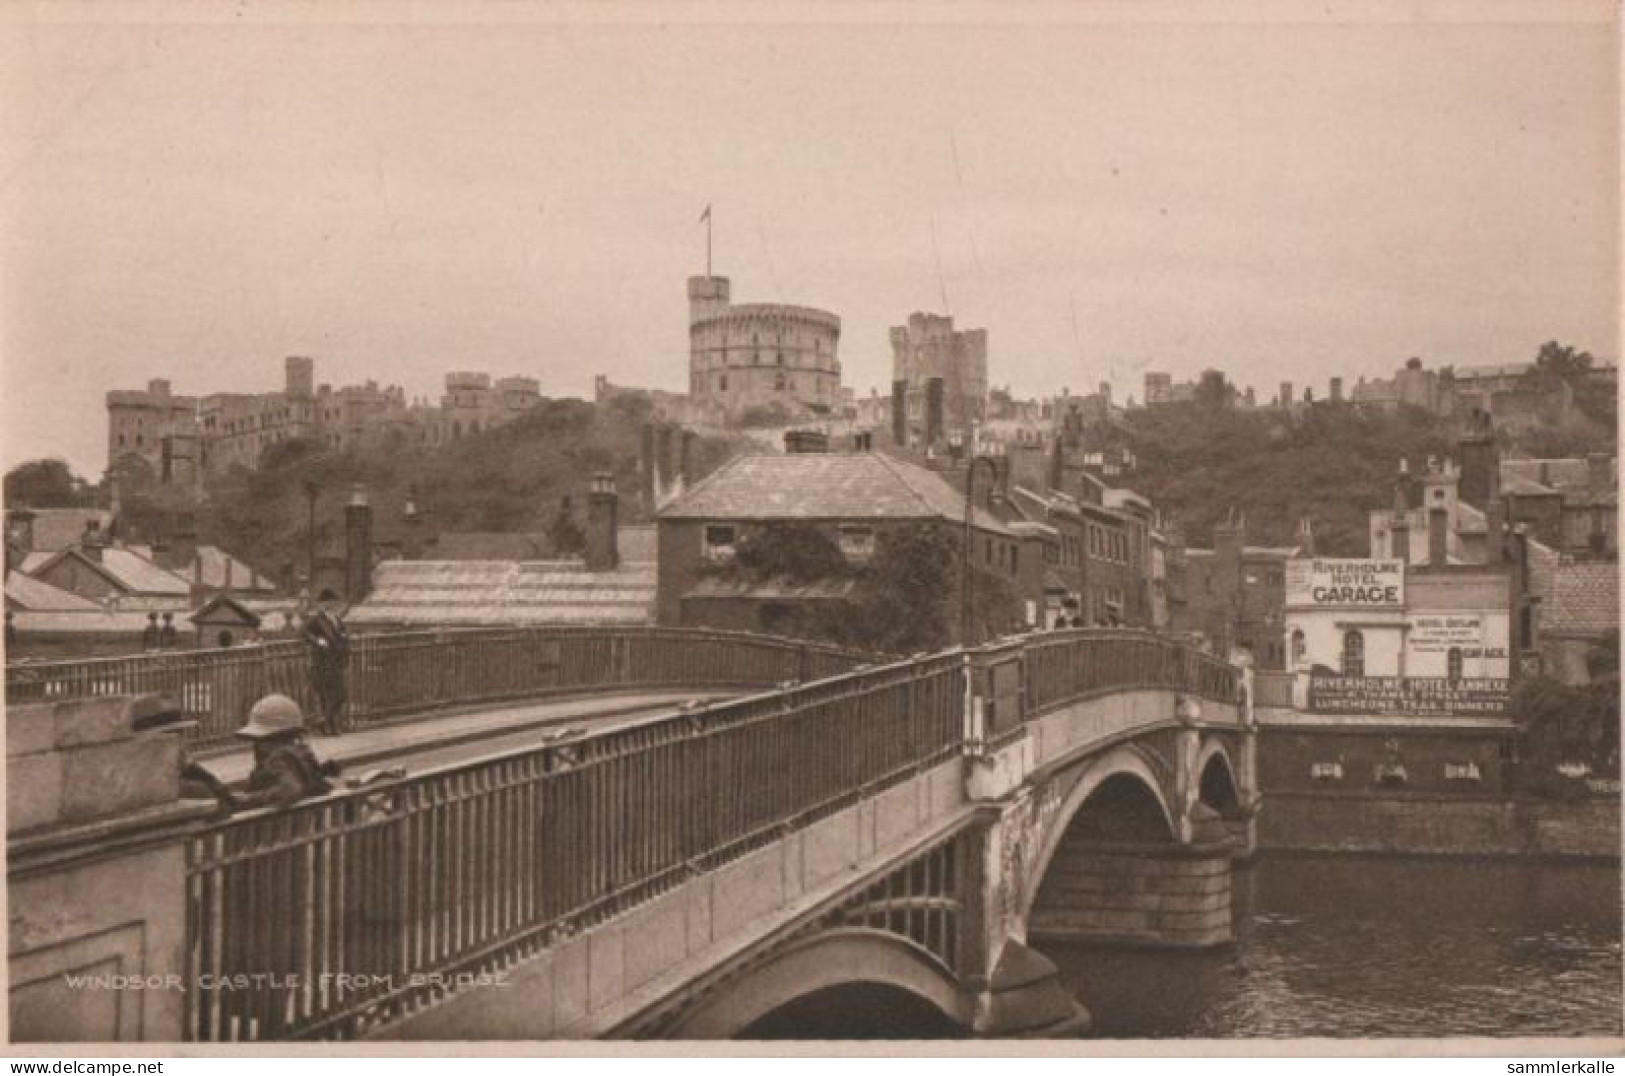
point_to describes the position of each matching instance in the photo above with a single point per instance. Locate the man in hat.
(285, 770)
(329, 644)
(167, 638)
(149, 634)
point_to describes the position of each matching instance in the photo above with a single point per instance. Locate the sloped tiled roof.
(36, 595)
(130, 571)
(215, 562)
(507, 592)
(81, 622)
(1583, 600)
(824, 486)
(140, 575)
(1569, 476)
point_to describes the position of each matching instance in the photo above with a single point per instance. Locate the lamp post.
(312, 490)
(966, 577)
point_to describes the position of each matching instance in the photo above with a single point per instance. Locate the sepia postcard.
(929, 527)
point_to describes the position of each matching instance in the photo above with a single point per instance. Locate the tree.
(1559, 362)
(799, 552)
(565, 534)
(45, 483)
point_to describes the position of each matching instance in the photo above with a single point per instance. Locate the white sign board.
(1325, 583)
(1439, 634)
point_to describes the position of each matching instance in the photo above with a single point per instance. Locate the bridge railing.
(1062, 667)
(357, 908)
(394, 674)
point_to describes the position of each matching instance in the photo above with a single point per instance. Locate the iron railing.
(357, 909)
(392, 675)
(360, 907)
(1062, 667)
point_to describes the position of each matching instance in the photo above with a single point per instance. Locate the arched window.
(778, 382)
(1452, 664)
(1298, 646)
(1353, 653)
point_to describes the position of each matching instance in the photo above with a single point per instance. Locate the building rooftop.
(128, 570)
(824, 486)
(1569, 477)
(24, 592)
(507, 592)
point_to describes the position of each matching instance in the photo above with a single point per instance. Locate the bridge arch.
(826, 961)
(1124, 771)
(1217, 784)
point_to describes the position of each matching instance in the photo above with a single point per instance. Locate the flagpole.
(708, 241)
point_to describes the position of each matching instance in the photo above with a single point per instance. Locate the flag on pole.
(706, 216)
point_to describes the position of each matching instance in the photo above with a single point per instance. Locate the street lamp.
(965, 603)
(312, 491)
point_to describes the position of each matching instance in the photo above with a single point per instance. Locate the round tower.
(707, 297)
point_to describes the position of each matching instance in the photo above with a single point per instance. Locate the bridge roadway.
(420, 744)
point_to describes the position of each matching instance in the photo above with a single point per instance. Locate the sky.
(518, 190)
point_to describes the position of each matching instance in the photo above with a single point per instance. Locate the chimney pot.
(603, 505)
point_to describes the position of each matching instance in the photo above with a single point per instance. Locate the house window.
(720, 540)
(1353, 653)
(1325, 771)
(857, 543)
(1452, 664)
(1389, 773)
(1298, 646)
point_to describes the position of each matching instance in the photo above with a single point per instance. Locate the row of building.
(1505, 391)
(154, 435)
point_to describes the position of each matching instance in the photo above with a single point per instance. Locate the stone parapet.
(96, 872)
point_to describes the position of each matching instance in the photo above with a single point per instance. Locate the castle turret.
(707, 297)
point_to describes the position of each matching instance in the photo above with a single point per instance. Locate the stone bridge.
(910, 831)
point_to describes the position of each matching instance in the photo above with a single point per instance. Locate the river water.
(1356, 946)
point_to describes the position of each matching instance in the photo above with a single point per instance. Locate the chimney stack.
(1480, 463)
(357, 546)
(1438, 533)
(603, 506)
(1306, 536)
(1399, 544)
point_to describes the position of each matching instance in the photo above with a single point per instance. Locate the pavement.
(421, 744)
